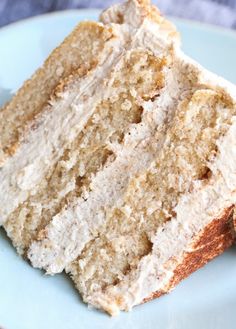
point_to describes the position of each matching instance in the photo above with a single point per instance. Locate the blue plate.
(31, 300)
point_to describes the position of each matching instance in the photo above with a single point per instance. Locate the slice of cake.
(118, 160)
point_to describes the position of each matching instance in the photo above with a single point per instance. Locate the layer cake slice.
(118, 160)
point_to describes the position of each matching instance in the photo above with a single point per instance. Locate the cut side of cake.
(118, 160)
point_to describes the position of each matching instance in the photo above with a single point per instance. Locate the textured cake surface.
(122, 172)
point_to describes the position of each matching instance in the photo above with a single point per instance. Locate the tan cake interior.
(151, 198)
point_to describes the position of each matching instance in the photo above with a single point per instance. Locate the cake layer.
(160, 271)
(81, 48)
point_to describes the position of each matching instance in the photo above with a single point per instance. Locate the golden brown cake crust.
(221, 236)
